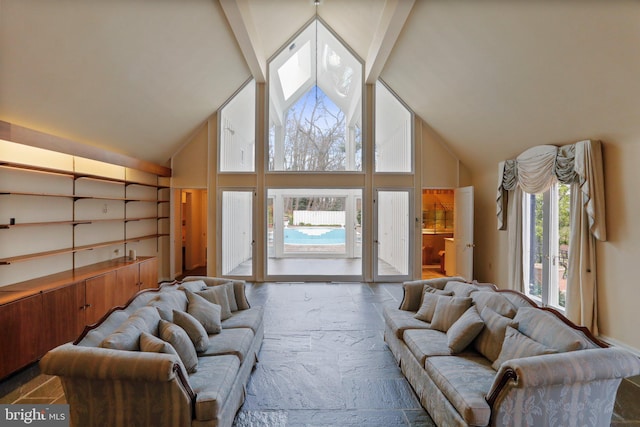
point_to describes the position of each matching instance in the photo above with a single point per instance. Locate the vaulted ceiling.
(492, 77)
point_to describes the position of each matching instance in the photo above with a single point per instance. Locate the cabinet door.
(64, 314)
(149, 273)
(128, 283)
(100, 296)
(22, 330)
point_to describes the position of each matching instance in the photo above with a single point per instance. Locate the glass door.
(392, 249)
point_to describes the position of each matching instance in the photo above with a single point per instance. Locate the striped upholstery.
(538, 325)
(150, 388)
(489, 340)
(517, 345)
(495, 301)
(464, 381)
(464, 330)
(400, 320)
(448, 310)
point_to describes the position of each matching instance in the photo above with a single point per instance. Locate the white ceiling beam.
(392, 20)
(244, 30)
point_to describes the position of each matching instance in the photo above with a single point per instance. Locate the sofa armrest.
(70, 360)
(238, 288)
(564, 368)
(576, 388)
(412, 298)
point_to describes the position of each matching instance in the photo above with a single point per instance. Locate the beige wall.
(618, 282)
(440, 167)
(189, 165)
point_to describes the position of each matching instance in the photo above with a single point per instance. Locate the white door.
(463, 232)
(392, 252)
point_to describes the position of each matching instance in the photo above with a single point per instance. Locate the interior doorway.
(437, 231)
(193, 226)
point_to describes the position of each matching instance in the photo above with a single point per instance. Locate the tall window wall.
(313, 210)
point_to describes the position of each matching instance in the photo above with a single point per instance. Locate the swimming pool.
(314, 236)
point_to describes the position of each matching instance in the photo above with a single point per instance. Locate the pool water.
(314, 236)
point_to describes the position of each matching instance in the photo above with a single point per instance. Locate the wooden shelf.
(26, 193)
(28, 257)
(123, 219)
(44, 223)
(139, 238)
(140, 219)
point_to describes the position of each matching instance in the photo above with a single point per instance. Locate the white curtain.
(534, 171)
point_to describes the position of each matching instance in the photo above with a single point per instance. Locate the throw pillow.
(193, 285)
(464, 330)
(433, 290)
(517, 345)
(231, 296)
(428, 307)
(207, 313)
(448, 310)
(489, 341)
(217, 295)
(193, 328)
(180, 341)
(127, 335)
(152, 344)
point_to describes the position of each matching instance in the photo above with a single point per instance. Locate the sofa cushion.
(424, 343)
(464, 330)
(460, 289)
(489, 340)
(180, 341)
(399, 320)
(212, 384)
(217, 295)
(448, 310)
(167, 301)
(495, 301)
(428, 307)
(193, 328)
(545, 328)
(517, 345)
(193, 286)
(231, 296)
(127, 335)
(207, 313)
(236, 342)
(250, 318)
(464, 380)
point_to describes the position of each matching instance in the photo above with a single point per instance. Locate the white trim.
(616, 343)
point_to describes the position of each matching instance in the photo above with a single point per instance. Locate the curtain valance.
(536, 169)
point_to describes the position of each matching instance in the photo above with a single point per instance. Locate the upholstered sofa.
(476, 356)
(166, 359)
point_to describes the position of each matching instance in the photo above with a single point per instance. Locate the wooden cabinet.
(40, 314)
(134, 278)
(64, 314)
(100, 294)
(149, 273)
(22, 328)
(127, 283)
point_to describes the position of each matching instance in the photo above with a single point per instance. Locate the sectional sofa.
(476, 356)
(180, 355)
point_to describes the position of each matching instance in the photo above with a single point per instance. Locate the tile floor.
(323, 363)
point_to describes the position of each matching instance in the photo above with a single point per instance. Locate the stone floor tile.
(379, 393)
(368, 418)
